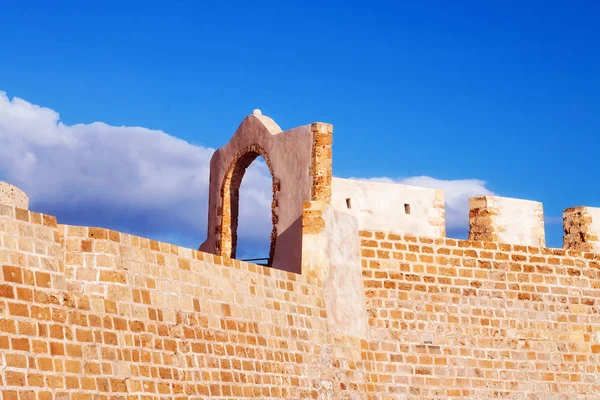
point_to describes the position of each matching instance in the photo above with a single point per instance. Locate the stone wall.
(390, 206)
(13, 196)
(480, 319)
(89, 313)
(582, 229)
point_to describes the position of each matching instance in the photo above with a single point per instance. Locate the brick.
(21, 214)
(113, 276)
(7, 291)
(20, 344)
(15, 378)
(43, 279)
(98, 233)
(12, 274)
(18, 310)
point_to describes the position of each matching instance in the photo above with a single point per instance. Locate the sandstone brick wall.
(474, 319)
(88, 313)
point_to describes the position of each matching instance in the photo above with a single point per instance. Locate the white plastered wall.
(518, 221)
(391, 207)
(594, 228)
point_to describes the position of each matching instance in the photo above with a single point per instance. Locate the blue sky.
(506, 92)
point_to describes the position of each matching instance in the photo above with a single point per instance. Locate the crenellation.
(380, 308)
(582, 229)
(506, 220)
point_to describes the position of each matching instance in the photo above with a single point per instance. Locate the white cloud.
(548, 220)
(456, 196)
(129, 178)
(145, 181)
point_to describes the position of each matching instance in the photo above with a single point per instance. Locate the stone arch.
(299, 160)
(230, 189)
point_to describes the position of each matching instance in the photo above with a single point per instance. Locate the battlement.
(364, 298)
(582, 228)
(505, 220)
(300, 161)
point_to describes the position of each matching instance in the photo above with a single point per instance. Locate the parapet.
(391, 207)
(13, 196)
(582, 229)
(506, 220)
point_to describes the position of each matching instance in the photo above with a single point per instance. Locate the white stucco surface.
(344, 286)
(333, 257)
(518, 221)
(381, 206)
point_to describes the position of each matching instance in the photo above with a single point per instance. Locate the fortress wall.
(383, 305)
(88, 313)
(480, 319)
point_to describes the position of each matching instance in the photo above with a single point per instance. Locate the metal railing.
(266, 259)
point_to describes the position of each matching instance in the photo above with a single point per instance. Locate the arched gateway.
(300, 164)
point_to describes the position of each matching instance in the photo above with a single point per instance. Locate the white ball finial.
(256, 112)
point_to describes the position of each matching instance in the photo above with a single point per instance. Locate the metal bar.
(255, 259)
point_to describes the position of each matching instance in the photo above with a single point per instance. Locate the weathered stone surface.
(13, 196)
(582, 229)
(506, 220)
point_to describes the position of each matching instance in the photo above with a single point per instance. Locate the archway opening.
(254, 214)
(249, 201)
